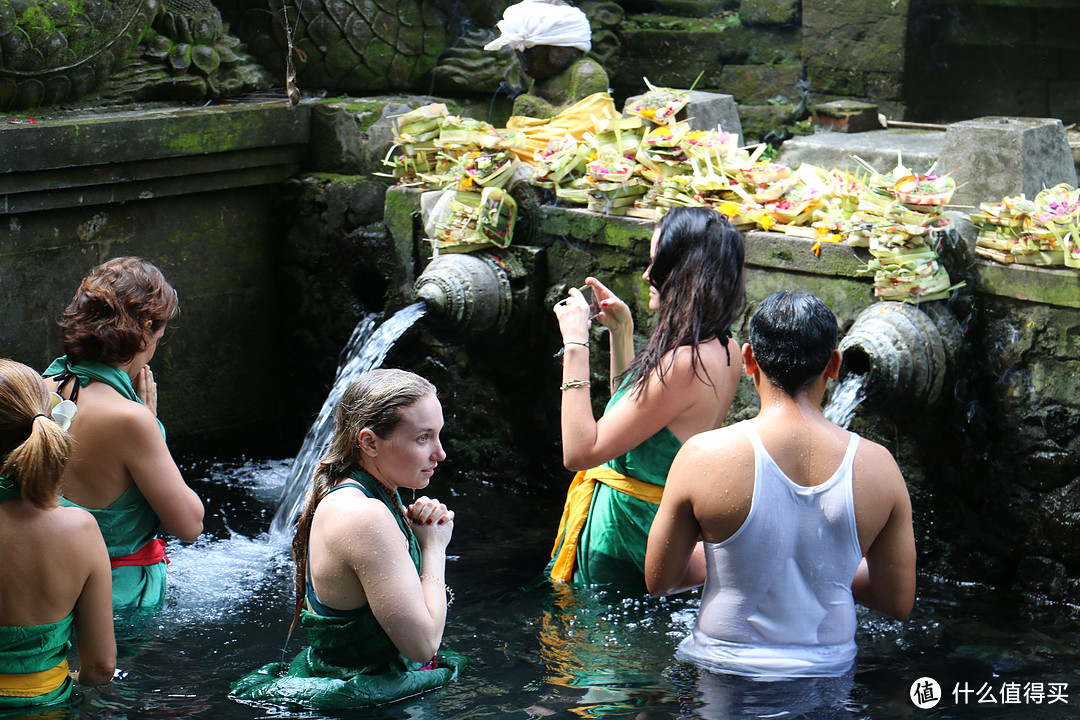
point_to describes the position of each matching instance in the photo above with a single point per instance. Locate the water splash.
(845, 400)
(366, 350)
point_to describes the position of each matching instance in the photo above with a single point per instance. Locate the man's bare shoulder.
(727, 444)
(874, 457)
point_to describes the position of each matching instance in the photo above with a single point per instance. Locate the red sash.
(151, 553)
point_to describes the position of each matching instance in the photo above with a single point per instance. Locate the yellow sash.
(576, 512)
(33, 684)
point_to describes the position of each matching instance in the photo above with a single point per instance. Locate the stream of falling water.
(366, 350)
(845, 400)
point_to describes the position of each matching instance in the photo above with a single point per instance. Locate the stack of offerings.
(1039, 232)
(837, 219)
(612, 175)
(475, 210)
(904, 209)
(415, 157)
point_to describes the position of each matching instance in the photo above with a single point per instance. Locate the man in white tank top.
(799, 517)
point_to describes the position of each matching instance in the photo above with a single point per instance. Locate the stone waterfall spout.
(468, 295)
(906, 351)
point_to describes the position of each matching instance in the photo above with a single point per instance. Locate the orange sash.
(576, 512)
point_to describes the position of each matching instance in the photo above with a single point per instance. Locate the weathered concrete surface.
(996, 157)
(918, 149)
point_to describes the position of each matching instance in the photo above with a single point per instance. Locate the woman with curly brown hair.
(54, 570)
(121, 470)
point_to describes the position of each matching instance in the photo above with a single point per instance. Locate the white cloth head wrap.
(539, 22)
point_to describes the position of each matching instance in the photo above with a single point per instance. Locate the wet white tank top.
(777, 597)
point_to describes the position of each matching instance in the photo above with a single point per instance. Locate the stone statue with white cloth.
(551, 39)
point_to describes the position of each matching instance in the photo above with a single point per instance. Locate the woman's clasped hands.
(425, 511)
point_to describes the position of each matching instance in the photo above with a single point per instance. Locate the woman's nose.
(440, 454)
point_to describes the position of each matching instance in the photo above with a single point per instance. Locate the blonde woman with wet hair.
(54, 569)
(370, 584)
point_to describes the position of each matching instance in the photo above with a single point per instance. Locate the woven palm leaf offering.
(457, 222)
(660, 104)
(833, 224)
(916, 277)
(496, 216)
(880, 192)
(563, 159)
(716, 145)
(745, 215)
(845, 188)
(488, 168)
(796, 206)
(676, 192)
(414, 153)
(462, 134)
(660, 151)
(929, 190)
(1059, 211)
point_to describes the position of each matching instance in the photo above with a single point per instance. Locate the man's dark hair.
(792, 334)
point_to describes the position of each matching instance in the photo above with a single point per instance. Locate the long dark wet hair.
(698, 271)
(374, 402)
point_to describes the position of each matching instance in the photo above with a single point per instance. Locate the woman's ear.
(366, 441)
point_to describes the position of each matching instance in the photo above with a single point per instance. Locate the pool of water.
(541, 652)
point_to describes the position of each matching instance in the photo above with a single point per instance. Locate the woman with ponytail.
(54, 570)
(121, 470)
(370, 587)
(680, 384)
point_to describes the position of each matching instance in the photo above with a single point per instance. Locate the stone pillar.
(994, 157)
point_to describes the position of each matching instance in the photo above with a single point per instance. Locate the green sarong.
(351, 662)
(129, 522)
(611, 547)
(25, 651)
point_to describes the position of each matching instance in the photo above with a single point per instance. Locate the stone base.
(994, 157)
(848, 116)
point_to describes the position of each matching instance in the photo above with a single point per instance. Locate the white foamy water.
(845, 400)
(209, 576)
(366, 350)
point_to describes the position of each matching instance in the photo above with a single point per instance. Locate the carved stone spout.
(469, 296)
(907, 352)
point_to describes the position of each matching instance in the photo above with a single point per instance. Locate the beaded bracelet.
(571, 384)
(449, 591)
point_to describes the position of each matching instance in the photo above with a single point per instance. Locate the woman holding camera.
(681, 383)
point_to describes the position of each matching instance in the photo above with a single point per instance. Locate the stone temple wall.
(279, 239)
(918, 60)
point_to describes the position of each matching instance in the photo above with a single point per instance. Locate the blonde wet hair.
(373, 402)
(33, 448)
